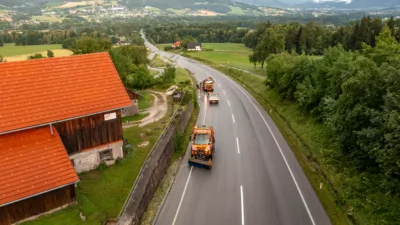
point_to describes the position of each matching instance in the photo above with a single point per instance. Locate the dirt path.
(157, 111)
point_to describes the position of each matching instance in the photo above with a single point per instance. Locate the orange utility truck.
(208, 84)
(203, 145)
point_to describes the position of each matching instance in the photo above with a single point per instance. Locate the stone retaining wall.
(154, 170)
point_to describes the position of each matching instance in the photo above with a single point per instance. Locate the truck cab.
(203, 145)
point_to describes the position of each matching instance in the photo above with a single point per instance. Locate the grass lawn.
(13, 50)
(305, 137)
(157, 62)
(135, 117)
(146, 100)
(101, 193)
(182, 75)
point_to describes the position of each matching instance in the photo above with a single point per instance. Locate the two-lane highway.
(255, 177)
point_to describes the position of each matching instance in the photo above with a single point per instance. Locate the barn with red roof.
(58, 117)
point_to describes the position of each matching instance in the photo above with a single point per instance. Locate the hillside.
(355, 4)
(198, 4)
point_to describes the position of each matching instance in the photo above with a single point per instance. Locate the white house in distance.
(193, 46)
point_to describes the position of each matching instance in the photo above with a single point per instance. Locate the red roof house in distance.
(58, 117)
(176, 44)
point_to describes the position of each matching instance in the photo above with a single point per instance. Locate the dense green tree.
(169, 74)
(86, 45)
(50, 54)
(140, 78)
(36, 56)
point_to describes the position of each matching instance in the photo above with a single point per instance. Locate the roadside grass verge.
(135, 117)
(102, 192)
(182, 75)
(157, 62)
(14, 50)
(145, 100)
(305, 137)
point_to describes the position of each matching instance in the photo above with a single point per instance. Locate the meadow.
(228, 54)
(12, 52)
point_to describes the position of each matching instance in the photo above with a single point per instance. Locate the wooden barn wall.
(89, 132)
(24, 209)
(132, 95)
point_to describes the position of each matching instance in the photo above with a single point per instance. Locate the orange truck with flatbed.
(208, 84)
(203, 146)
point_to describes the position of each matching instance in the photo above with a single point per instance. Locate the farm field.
(57, 53)
(232, 54)
(229, 54)
(13, 50)
(47, 18)
(12, 53)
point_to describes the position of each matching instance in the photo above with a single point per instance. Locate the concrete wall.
(90, 159)
(153, 171)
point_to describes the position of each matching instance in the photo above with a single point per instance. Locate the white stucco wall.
(90, 159)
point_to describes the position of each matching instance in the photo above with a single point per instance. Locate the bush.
(166, 48)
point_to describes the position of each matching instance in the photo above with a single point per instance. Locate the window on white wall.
(105, 155)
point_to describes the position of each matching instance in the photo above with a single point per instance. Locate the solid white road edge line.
(241, 201)
(237, 143)
(280, 150)
(219, 85)
(229, 103)
(183, 195)
(224, 93)
(233, 118)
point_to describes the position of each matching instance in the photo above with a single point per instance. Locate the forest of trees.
(356, 95)
(212, 32)
(312, 39)
(347, 79)
(32, 35)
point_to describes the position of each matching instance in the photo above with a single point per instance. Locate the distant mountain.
(354, 4)
(270, 3)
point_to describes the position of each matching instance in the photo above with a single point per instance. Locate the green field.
(236, 10)
(229, 54)
(182, 75)
(145, 100)
(135, 117)
(12, 50)
(47, 18)
(157, 62)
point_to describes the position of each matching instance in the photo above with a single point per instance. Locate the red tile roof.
(31, 162)
(46, 90)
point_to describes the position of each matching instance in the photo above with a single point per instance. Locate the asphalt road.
(255, 179)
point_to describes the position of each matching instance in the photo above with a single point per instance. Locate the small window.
(105, 155)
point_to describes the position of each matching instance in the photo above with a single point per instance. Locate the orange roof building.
(44, 91)
(58, 117)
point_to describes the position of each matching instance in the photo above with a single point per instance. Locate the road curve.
(255, 179)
